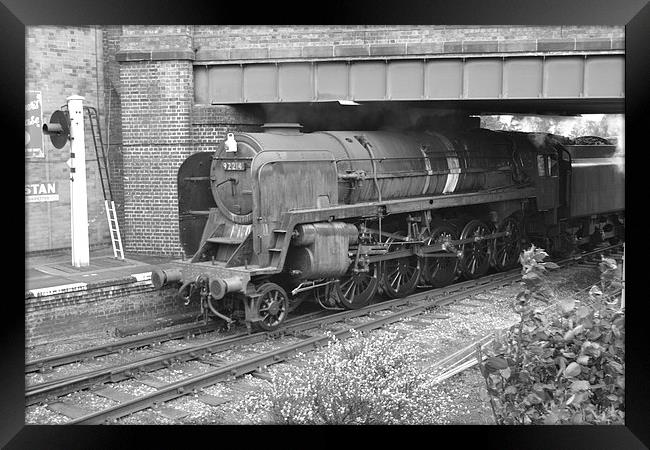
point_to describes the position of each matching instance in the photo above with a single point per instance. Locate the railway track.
(48, 363)
(44, 391)
(61, 386)
(398, 309)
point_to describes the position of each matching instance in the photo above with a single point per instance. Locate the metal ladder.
(114, 226)
(102, 164)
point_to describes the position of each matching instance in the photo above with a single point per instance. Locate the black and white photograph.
(325, 224)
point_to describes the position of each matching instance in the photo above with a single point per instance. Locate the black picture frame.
(633, 14)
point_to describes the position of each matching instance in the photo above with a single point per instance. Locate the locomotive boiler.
(273, 218)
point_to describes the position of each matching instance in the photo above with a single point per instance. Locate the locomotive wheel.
(506, 249)
(326, 296)
(356, 290)
(399, 277)
(475, 259)
(439, 272)
(272, 306)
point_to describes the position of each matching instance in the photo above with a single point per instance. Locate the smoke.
(365, 116)
(322, 116)
(619, 123)
(538, 140)
(608, 126)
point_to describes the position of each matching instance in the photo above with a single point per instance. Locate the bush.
(361, 380)
(558, 366)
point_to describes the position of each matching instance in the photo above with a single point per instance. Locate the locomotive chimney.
(282, 128)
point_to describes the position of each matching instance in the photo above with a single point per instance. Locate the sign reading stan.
(41, 192)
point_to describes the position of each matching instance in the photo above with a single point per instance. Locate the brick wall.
(113, 115)
(156, 37)
(62, 61)
(211, 123)
(99, 310)
(156, 102)
(286, 37)
(160, 128)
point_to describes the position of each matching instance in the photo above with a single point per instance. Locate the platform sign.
(41, 192)
(33, 124)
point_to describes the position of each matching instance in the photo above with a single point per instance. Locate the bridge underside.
(558, 107)
(481, 84)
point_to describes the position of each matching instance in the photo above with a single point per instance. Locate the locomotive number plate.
(234, 165)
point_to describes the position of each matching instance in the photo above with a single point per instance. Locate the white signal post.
(78, 192)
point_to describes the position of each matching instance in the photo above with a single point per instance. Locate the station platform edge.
(54, 273)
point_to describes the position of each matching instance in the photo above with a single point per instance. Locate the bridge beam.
(535, 76)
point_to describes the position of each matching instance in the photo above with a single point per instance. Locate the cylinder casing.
(320, 250)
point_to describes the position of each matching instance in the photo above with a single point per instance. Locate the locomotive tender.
(340, 216)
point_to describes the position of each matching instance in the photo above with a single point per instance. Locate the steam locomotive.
(274, 218)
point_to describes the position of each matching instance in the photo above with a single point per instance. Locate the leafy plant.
(560, 365)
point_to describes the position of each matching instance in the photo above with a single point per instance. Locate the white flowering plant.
(373, 379)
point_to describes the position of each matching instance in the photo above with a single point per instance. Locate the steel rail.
(50, 362)
(54, 388)
(61, 359)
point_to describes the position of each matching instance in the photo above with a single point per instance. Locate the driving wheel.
(355, 290)
(440, 271)
(475, 259)
(506, 249)
(399, 277)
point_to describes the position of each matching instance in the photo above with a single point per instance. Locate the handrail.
(219, 158)
(91, 110)
(436, 156)
(368, 146)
